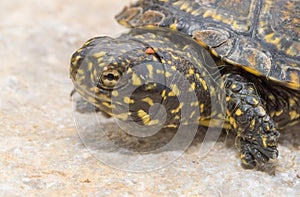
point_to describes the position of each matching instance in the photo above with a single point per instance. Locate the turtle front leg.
(246, 114)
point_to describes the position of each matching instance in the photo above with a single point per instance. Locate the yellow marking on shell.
(80, 71)
(271, 38)
(239, 112)
(115, 93)
(136, 81)
(295, 77)
(177, 109)
(227, 20)
(293, 86)
(212, 51)
(150, 70)
(252, 70)
(144, 116)
(148, 100)
(235, 25)
(128, 100)
(192, 87)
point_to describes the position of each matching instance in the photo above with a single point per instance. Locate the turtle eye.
(110, 78)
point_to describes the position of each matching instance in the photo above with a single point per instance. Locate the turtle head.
(117, 76)
(148, 76)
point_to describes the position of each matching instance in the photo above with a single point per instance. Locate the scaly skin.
(257, 135)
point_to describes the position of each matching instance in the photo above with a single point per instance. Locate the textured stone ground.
(41, 153)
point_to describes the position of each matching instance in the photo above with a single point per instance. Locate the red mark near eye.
(149, 51)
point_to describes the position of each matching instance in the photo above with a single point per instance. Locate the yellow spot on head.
(115, 93)
(144, 116)
(136, 81)
(175, 89)
(123, 116)
(148, 100)
(90, 66)
(150, 70)
(99, 55)
(177, 109)
(80, 71)
(106, 104)
(193, 87)
(128, 100)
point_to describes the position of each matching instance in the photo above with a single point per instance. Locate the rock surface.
(41, 152)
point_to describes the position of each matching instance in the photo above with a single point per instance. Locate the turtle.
(239, 59)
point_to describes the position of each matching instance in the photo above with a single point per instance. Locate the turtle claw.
(254, 155)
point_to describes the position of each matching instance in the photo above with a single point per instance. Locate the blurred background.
(41, 153)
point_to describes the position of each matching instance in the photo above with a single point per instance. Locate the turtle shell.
(263, 37)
